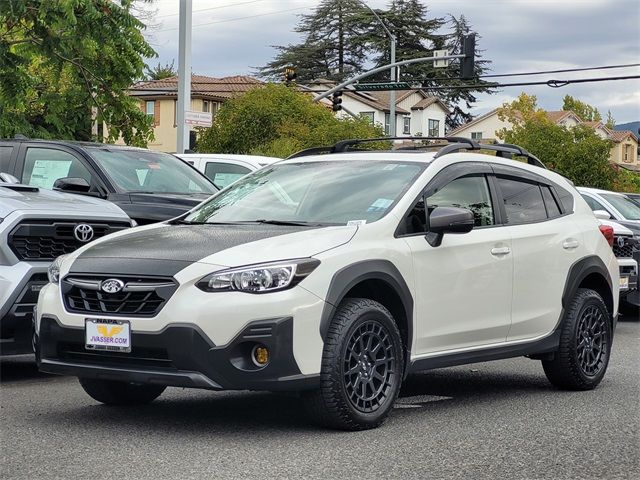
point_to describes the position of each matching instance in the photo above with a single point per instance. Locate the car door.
(545, 243)
(462, 287)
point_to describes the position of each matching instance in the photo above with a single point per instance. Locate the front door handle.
(500, 251)
(570, 244)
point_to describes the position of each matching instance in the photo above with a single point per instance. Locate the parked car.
(36, 226)
(337, 275)
(625, 246)
(149, 186)
(223, 169)
(635, 197)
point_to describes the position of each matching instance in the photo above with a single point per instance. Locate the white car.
(624, 246)
(224, 169)
(337, 275)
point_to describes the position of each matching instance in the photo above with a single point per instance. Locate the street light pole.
(184, 75)
(392, 94)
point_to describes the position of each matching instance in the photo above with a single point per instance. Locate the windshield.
(328, 192)
(628, 209)
(150, 172)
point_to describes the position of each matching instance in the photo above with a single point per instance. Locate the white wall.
(488, 126)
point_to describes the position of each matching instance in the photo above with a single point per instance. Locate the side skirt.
(539, 349)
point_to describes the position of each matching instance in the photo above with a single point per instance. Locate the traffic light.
(467, 64)
(290, 76)
(337, 101)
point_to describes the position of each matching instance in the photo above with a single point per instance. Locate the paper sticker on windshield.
(355, 223)
(380, 205)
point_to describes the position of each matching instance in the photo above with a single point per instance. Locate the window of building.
(150, 107)
(434, 128)
(387, 123)
(206, 106)
(370, 116)
(523, 201)
(406, 125)
(476, 135)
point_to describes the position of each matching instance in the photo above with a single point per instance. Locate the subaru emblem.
(111, 285)
(83, 232)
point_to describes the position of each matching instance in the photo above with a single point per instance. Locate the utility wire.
(213, 8)
(549, 83)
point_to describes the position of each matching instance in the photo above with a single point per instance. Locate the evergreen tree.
(333, 47)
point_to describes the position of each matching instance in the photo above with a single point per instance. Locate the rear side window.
(5, 157)
(523, 201)
(553, 210)
(223, 174)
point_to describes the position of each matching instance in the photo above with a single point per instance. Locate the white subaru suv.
(337, 275)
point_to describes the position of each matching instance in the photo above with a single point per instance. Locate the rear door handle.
(570, 244)
(500, 251)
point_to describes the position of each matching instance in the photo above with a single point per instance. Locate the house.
(417, 114)
(158, 98)
(625, 143)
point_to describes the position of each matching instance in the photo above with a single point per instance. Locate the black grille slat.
(138, 357)
(134, 303)
(48, 239)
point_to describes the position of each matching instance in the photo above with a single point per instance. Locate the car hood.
(22, 197)
(188, 200)
(165, 249)
(617, 228)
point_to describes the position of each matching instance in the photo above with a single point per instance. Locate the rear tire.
(585, 344)
(111, 392)
(362, 365)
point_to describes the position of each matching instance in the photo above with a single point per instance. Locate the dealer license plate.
(103, 334)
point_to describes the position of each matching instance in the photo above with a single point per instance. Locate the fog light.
(260, 355)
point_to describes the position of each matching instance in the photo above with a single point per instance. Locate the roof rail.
(454, 144)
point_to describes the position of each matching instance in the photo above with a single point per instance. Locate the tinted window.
(43, 166)
(223, 174)
(5, 156)
(522, 201)
(552, 206)
(566, 199)
(467, 192)
(593, 203)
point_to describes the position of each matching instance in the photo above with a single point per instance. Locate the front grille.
(48, 239)
(624, 248)
(140, 297)
(157, 358)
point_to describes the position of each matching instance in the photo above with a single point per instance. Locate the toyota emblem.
(83, 232)
(112, 285)
(620, 241)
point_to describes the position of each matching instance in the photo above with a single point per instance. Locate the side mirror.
(448, 220)
(72, 184)
(602, 214)
(8, 178)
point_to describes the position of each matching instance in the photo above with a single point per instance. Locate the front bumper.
(628, 271)
(179, 355)
(19, 288)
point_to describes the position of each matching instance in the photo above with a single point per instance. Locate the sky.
(231, 37)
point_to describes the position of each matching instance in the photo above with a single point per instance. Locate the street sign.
(376, 87)
(198, 119)
(440, 63)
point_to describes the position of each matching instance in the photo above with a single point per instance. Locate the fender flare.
(577, 273)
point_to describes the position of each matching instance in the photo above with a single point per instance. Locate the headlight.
(262, 278)
(54, 269)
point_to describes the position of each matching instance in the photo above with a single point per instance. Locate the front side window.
(523, 201)
(43, 166)
(471, 193)
(331, 192)
(628, 209)
(150, 172)
(594, 204)
(434, 128)
(224, 174)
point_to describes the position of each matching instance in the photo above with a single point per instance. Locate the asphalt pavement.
(493, 420)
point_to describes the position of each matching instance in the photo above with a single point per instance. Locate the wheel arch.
(377, 280)
(589, 272)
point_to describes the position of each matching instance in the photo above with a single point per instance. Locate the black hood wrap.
(166, 250)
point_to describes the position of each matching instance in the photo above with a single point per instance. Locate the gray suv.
(36, 226)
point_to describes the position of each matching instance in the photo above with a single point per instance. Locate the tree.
(577, 152)
(610, 122)
(61, 60)
(585, 111)
(333, 47)
(276, 120)
(161, 71)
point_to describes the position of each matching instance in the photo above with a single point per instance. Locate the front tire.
(585, 344)
(111, 392)
(362, 365)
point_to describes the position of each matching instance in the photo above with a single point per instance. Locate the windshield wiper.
(290, 222)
